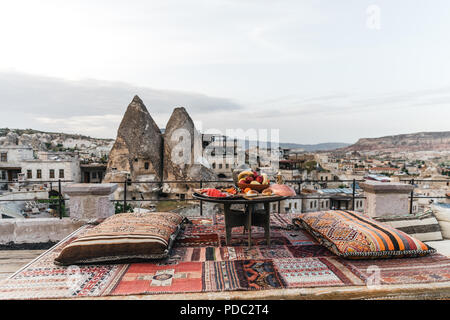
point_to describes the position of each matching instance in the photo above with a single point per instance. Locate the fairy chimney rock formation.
(182, 145)
(137, 151)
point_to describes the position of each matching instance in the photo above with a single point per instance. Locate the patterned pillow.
(355, 236)
(124, 237)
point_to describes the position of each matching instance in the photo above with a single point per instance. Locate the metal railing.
(199, 182)
(354, 195)
(412, 197)
(60, 200)
(23, 185)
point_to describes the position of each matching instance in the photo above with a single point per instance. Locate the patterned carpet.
(201, 262)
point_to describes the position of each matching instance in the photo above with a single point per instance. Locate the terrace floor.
(13, 260)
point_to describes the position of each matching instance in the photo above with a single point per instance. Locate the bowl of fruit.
(253, 180)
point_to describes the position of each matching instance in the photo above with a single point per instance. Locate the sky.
(317, 71)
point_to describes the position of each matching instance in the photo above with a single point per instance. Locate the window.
(29, 174)
(3, 175)
(295, 205)
(214, 165)
(274, 207)
(61, 173)
(220, 166)
(94, 175)
(311, 205)
(146, 165)
(39, 174)
(52, 174)
(4, 157)
(227, 166)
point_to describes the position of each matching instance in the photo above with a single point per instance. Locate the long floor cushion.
(442, 213)
(353, 235)
(124, 237)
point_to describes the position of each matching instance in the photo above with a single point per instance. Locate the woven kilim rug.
(201, 262)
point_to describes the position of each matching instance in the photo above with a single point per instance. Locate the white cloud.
(309, 68)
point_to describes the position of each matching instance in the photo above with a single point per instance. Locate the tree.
(120, 209)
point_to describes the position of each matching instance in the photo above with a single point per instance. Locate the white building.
(52, 167)
(221, 154)
(287, 206)
(313, 202)
(11, 158)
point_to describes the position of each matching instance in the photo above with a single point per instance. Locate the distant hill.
(421, 141)
(5, 131)
(308, 147)
(54, 141)
(315, 147)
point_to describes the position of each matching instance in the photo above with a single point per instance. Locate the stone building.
(92, 172)
(11, 158)
(52, 166)
(221, 154)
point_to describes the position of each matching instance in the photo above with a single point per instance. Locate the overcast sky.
(320, 71)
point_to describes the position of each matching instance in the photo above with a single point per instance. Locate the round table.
(246, 218)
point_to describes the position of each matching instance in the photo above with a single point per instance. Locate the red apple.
(259, 179)
(249, 179)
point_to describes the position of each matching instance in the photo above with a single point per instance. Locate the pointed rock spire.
(181, 145)
(138, 146)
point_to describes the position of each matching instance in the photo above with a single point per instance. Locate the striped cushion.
(423, 226)
(124, 237)
(353, 235)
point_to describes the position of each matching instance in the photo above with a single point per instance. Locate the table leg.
(245, 212)
(267, 222)
(226, 209)
(214, 218)
(251, 209)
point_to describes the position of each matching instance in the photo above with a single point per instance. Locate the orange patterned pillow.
(355, 236)
(124, 237)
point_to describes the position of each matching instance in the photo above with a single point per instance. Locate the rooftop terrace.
(339, 279)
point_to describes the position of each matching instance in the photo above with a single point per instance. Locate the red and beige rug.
(201, 262)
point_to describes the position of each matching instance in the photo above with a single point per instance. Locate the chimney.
(386, 198)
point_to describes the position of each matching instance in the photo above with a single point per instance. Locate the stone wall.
(39, 230)
(87, 203)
